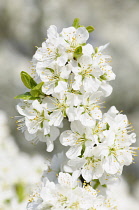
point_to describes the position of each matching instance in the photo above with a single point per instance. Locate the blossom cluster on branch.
(69, 78)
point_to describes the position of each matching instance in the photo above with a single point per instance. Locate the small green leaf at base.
(38, 86)
(90, 29)
(35, 93)
(96, 50)
(25, 96)
(27, 80)
(78, 52)
(107, 126)
(103, 77)
(76, 23)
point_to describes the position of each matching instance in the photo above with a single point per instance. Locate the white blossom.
(68, 194)
(52, 49)
(55, 77)
(102, 149)
(85, 75)
(74, 38)
(35, 123)
(57, 107)
(77, 138)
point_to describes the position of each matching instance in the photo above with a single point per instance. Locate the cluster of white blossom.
(62, 190)
(68, 78)
(100, 151)
(71, 76)
(18, 172)
(68, 193)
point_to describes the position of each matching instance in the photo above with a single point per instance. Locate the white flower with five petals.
(85, 75)
(55, 77)
(52, 49)
(35, 123)
(77, 138)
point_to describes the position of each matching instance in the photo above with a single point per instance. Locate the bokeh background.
(23, 25)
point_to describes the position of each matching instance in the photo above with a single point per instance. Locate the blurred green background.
(24, 24)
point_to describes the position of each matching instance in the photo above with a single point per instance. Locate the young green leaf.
(78, 52)
(35, 93)
(96, 50)
(90, 29)
(76, 23)
(28, 80)
(107, 126)
(38, 86)
(103, 77)
(25, 96)
(97, 183)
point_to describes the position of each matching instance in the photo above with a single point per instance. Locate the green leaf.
(96, 50)
(83, 44)
(103, 77)
(96, 184)
(76, 23)
(79, 65)
(25, 96)
(35, 93)
(107, 126)
(78, 52)
(38, 86)
(90, 29)
(28, 80)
